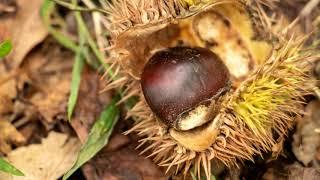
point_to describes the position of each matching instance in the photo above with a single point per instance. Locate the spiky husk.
(254, 117)
(126, 14)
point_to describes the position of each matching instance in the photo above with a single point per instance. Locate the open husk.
(253, 116)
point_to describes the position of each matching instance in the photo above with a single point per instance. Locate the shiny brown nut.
(179, 80)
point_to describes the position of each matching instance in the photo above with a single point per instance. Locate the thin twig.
(309, 7)
(97, 25)
(304, 12)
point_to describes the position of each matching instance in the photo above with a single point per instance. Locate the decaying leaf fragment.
(25, 29)
(9, 135)
(48, 160)
(47, 72)
(307, 138)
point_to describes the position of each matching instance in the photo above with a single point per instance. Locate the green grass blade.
(48, 6)
(98, 137)
(76, 77)
(8, 168)
(76, 73)
(100, 55)
(75, 83)
(213, 177)
(193, 176)
(5, 48)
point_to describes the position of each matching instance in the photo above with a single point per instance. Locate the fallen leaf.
(53, 102)
(28, 130)
(89, 104)
(117, 141)
(46, 161)
(48, 71)
(7, 7)
(6, 104)
(25, 29)
(317, 69)
(122, 164)
(232, 174)
(306, 139)
(99, 135)
(293, 171)
(297, 172)
(272, 174)
(9, 135)
(7, 89)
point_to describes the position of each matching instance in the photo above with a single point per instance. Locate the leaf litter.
(25, 30)
(48, 160)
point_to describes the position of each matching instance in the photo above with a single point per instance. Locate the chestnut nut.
(179, 82)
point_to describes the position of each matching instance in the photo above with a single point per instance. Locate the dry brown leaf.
(291, 172)
(7, 89)
(25, 29)
(46, 161)
(89, 104)
(7, 83)
(272, 174)
(117, 141)
(6, 104)
(122, 164)
(49, 73)
(52, 103)
(9, 135)
(307, 138)
(28, 130)
(297, 172)
(7, 7)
